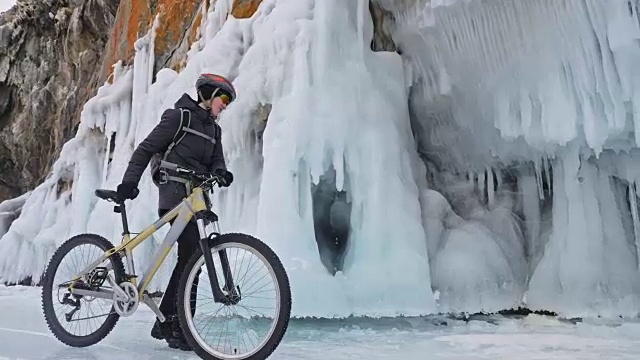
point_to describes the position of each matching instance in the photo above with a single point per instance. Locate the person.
(197, 148)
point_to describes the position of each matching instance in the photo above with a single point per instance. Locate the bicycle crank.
(126, 307)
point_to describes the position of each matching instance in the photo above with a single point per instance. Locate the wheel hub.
(232, 297)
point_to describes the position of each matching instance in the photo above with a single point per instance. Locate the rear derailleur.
(95, 280)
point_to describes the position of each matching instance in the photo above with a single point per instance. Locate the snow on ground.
(24, 335)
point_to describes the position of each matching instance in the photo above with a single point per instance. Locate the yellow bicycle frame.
(182, 213)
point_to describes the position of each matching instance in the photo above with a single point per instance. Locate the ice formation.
(293, 56)
(527, 111)
(491, 166)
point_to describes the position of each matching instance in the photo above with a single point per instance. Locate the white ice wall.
(546, 91)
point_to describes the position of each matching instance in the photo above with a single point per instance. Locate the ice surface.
(24, 335)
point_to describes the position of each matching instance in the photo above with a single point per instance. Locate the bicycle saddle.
(108, 195)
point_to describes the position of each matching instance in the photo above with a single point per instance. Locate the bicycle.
(104, 279)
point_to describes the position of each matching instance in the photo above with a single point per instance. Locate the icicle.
(105, 163)
(481, 185)
(490, 188)
(498, 177)
(152, 40)
(547, 170)
(538, 171)
(633, 193)
(361, 40)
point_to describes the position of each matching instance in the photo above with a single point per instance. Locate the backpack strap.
(198, 133)
(185, 129)
(177, 137)
(177, 134)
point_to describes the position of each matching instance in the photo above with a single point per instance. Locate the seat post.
(125, 223)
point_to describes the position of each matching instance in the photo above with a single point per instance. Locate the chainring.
(126, 308)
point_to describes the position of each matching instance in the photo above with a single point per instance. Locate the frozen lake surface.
(24, 335)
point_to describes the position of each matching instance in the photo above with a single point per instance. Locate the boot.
(162, 331)
(177, 340)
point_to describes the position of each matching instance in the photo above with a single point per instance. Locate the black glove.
(225, 177)
(128, 190)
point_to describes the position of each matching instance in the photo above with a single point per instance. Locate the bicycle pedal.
(153, 306)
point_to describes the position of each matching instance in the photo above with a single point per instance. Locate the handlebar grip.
(168, 165)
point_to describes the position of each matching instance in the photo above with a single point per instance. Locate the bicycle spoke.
(240, 328)
(84, 320)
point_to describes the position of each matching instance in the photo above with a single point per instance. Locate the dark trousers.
(188, 244)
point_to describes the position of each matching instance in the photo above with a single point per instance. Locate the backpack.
(158, 174)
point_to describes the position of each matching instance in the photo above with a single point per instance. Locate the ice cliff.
(482, 158)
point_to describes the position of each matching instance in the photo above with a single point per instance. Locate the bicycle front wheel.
(253, 327)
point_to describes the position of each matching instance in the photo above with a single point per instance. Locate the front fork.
(230, 295)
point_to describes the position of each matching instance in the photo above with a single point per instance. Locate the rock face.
(48, 53)
(177, 24)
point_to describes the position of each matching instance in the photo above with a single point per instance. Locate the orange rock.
(139, 19)
(243, 9)
(176, 16)
(193, 34)
(134, 18)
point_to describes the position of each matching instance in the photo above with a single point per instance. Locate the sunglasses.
(226, 99)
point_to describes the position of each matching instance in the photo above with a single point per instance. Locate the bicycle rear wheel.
(77, 320)
(250, 329)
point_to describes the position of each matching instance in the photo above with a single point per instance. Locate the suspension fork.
(228, 277)
(232, 296)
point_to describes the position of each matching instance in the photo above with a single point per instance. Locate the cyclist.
(189, 136)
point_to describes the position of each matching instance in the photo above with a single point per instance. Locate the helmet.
(218, 82)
